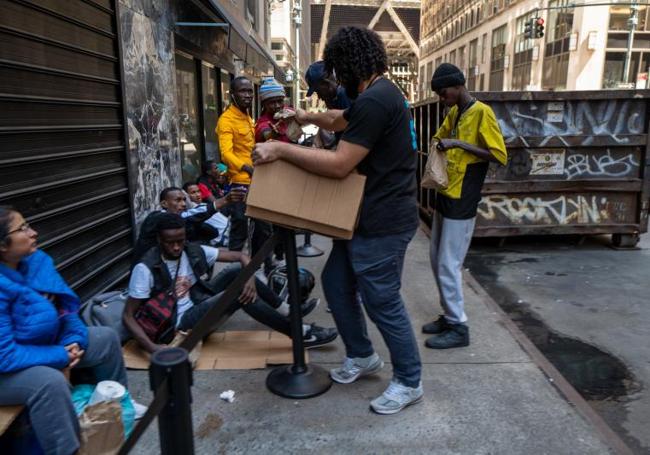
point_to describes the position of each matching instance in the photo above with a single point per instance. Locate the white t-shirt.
(141, 281)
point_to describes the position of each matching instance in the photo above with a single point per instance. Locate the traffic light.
(539, 28)
(528, 28)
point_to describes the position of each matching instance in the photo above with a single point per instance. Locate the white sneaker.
(396, 397)
(353, 369)
(140, 409)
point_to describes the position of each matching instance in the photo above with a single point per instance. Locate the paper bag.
(102, 431)
(294, 130)
(435, 172)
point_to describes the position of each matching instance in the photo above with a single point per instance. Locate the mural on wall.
(149, 81)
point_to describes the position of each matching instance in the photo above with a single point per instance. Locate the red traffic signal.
(539, 28)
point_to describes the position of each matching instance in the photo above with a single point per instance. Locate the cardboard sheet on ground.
(7, 415)
(232, 350)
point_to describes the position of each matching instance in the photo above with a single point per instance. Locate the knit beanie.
(446, 75)
(271, 88)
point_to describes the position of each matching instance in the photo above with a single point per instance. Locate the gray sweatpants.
(46, 393)
(450, 241)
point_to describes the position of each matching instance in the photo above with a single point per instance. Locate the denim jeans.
(262, 309)
(373, 266)
(46, 392)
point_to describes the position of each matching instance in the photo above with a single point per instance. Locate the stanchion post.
(298, 380)
(307, 250)
(175, 420)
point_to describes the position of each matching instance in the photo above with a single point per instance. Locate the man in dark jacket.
(196, 293)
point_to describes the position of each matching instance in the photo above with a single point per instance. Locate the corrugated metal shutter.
(62, 143)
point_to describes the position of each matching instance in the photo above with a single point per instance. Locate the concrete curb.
(566, 390)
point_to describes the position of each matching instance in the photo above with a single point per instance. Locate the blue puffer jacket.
(32, 330)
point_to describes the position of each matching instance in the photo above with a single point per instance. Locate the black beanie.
(446, 75)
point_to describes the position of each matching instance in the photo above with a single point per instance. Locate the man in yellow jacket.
(236, 133)
(471, 138)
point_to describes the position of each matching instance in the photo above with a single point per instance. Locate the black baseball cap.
(314, 75)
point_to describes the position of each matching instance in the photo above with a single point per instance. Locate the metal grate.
(63, 159)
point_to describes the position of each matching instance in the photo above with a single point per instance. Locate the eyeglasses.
(23, 228)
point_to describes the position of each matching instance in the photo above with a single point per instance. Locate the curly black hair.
(355, 54)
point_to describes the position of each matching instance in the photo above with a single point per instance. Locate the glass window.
(473, 57)
(497, 58)
(210, 111)
(225, 90)
(618, 16)
(188, 117)
(523, 57)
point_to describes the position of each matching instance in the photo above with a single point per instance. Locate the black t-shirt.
(465, 207)
(380, 120)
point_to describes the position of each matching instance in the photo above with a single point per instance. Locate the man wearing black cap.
(471, 138)
(324, 85)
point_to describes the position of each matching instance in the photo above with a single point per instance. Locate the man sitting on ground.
(190, 264)
(217, 226)
(172, 200)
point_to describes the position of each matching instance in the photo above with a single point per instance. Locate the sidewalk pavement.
(488, 398)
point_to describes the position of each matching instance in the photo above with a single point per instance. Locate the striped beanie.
(271, 88)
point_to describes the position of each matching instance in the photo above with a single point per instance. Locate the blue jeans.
(46, 392)
(373, 266)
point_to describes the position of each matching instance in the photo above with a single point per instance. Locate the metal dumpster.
(578, 164)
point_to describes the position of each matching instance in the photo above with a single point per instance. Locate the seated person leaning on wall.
(42, 338)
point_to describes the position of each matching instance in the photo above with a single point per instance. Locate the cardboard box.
(232, 350)
(284, 194)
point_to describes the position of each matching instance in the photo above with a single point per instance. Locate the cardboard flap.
(286, 190)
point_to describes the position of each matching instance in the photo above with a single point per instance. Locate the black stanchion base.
(309, 251)
(285, 382)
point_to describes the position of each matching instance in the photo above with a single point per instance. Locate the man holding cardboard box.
(379, 141)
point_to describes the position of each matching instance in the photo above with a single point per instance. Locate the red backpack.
(157, 316)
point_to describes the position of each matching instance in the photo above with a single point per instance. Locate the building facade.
(583, 48)
(287, 17)
(107, 102)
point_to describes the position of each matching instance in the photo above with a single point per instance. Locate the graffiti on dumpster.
(562, 209)
(570, 164)
(612, 118)
(584, 165)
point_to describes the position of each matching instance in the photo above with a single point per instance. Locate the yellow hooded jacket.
(236, 133)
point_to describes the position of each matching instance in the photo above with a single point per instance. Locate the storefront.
(105, 103)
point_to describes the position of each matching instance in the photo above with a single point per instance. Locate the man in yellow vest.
(471, 138)
(236, 133)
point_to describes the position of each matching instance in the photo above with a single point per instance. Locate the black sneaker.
(437, 326)
(318, 336)
(309, 306)
(455, 336)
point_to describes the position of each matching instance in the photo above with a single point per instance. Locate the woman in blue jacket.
(42, 337)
